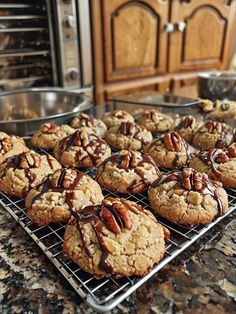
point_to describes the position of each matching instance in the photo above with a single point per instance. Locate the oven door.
(26, 55)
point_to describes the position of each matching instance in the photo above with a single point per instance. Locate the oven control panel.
(69, 44)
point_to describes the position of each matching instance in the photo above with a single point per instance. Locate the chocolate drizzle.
(226, 133)
(186, 145)
(88, 142)
(226, 136)
(208, 186)
(210, 158)
(130, 161)
(94, 215)
(59, 187)
(15, 163)
(133, 130)
(186, 122)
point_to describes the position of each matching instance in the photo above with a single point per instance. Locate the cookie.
(186, 126)
(155, 121)
(170, 151)
(117, 238)
(213, 134)
(10, 146)
(50, 133)
(81, 149)
(127, 172)
(219, 109)
(218, 164)
(91, 124)
(188, 197)
(20, 173)
(63, 192)
(116, 117)
(128, 135)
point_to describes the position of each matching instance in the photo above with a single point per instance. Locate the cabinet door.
(135, 43)
(205, 40)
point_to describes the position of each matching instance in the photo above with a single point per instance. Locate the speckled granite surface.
(202, 280)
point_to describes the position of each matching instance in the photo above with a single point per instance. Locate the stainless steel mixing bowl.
(217, 85)
(23, 111)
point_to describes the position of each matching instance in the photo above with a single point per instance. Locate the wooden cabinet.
(158, 44)
(132, 37)
(206, 35)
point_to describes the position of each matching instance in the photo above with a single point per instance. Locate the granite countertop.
(200, 280)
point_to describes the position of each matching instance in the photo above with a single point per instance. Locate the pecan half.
(5, 145)
(192, 179)
(173, 141)
(127, 128)
(49, 128)
(231, 151)
(213, 126)
(33, 159)
(110, 220)
(124, 214)
(222, 158)
(63, 178)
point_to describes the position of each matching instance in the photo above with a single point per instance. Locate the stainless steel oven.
(45, 43)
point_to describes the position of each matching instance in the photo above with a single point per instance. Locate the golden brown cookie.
(63, 192)
(213, 134)
(114, 118)
(20, 173)
(127, 172)
(188, 197)
(10, 146)
(219, 109)
(117, 238)
(170, 151)
(218, 164)
(92, 125)
(155, 121)
(81, 149)
(50, 133)
(186, 126)
(128, 135)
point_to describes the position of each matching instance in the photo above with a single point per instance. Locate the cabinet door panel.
(205, 41)
(134, 39)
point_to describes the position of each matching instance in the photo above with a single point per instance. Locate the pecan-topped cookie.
(20, 173)
(63, 192)
(218, 164)
(213, 134)
(117, 238)
(170, 151)
(128, 135)
(116, 117)
(186, 126)
(127, 172)
(188, 197)
(92, 125)
(219, 109)
(155, 121)
(10, 146)
(49, 133)
(81, 149)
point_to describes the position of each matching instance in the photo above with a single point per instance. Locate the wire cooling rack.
(104, 294)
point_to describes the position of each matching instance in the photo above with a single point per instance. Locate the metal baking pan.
(23, 111)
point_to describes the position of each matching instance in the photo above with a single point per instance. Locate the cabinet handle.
(181, 25)
(169, 27)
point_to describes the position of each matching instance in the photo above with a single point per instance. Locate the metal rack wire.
(104, 294)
